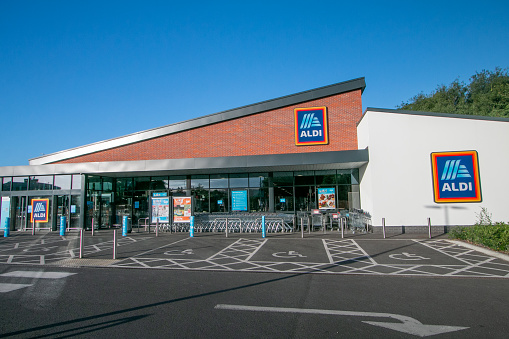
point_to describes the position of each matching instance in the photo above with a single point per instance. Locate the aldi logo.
(456, 177)
(311, 126)
(40, 209)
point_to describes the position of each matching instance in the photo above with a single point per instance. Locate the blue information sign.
(239, 200)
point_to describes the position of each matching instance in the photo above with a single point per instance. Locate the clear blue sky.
(78, 72)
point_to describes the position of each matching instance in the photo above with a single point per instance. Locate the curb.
(481, 249)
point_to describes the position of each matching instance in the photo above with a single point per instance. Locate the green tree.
(487, 94)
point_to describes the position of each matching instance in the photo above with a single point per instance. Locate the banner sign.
(182, 209)
(456, 177)
(311, 126)
(160, 210)
(239, 200)
(326, 198)
(6, 208)
(40, 211)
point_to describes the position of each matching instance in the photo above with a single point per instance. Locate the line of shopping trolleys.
(353, 221)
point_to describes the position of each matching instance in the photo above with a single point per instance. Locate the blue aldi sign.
(311, 126)
(456, 177)
(40, 210)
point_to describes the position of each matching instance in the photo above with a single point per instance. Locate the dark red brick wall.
(270, 132)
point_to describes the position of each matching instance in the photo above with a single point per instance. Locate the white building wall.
(396, 184)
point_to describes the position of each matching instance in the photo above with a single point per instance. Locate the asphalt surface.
(360, 286)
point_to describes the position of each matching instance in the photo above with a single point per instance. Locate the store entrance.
(19, 207)
(62, 210)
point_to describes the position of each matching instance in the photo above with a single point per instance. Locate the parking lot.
(287, 253)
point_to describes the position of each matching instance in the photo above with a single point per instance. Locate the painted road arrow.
(407, 325)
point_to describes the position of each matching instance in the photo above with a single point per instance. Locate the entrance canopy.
(239, 164)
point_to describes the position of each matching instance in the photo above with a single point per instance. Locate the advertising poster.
(160, 209)
(239, 200)
(326, 198)
(182, 209)
(6, 205)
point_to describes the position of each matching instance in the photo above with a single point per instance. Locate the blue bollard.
(263, 227)
(191, 227)
(7, 229)
(124, 226)
(63, 224)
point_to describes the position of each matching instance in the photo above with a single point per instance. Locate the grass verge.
(495, 237)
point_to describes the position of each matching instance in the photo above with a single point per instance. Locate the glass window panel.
(39, 183)
(219, 201)
(344, 177)
(159, 183)
(178, 183)
(94, 183)
(283, 178)
(124, 184)
(76, 181)
(342, 197)
(75, 211)
(259, 180)
(142, 183)
(141, 208)
(201, 200)
(305, 178)
(305, 198)
(325, 178)
(259, 200)
(239, 180)
(200, 181)
(107, 184)
(284, 198)
(62, 182)
(6, 183)
(355, 176)
(19, 184)
(219, 181)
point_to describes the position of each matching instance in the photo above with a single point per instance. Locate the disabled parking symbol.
(289, 254)
(407, 256)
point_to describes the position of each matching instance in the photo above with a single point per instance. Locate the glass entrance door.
(62, 210)
(19, 205)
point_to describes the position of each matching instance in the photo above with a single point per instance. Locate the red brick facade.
(270, 132)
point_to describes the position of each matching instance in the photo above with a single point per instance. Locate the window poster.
(239, 200)
(182, 209)
(160, 209)
(326, 198)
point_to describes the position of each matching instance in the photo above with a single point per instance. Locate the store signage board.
(40, 211)
(311, 126)
(182, 209)
(326, 198)
(456, 177)
(239, 200)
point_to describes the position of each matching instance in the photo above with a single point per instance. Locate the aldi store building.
(311, 151)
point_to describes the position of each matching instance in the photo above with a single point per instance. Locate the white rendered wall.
(396, 184)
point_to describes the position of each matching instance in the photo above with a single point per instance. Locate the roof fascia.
(433, 114)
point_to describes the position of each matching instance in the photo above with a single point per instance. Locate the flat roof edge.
(435, 114)
(263, 106)
(270, 162)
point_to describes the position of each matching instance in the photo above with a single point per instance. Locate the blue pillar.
(191, 227)
(263, 227)
(62, 225)
(124, 225)
(7, 227)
